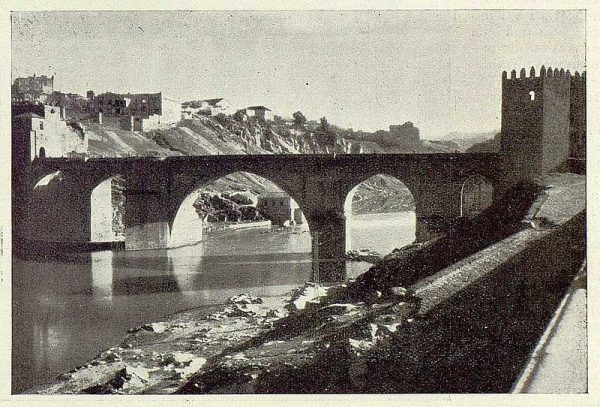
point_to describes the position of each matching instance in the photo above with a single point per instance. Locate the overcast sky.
(364, 69)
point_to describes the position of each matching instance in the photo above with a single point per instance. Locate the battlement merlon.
(555, 73)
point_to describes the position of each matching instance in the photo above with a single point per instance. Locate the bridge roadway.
(157, 214)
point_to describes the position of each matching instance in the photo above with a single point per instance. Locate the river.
(68, 308)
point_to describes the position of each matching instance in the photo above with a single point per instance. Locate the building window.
(532, 95)
(41, 126)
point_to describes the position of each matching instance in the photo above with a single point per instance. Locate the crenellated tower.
(537, 119)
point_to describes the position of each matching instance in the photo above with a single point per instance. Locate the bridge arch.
(476, 195)
(56, 208)
(381, 193)
(255, 198)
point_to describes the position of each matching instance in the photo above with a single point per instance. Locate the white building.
(209, 107)
(48, 136)
(280, 208)
(259, 112)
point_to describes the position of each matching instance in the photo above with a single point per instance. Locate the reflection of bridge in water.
(159, 192)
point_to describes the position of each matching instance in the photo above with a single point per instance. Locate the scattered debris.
(310, 292)
(367, 255)
(157, 327)
(244, 299)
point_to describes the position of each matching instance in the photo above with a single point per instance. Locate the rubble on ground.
(248, 333)
(370, 256)
(331, 338)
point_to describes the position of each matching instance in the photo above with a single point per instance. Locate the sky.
(439, 69)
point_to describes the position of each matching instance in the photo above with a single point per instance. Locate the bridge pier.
(146, 221)
(328, 231)
(57, 211)
(155, 218)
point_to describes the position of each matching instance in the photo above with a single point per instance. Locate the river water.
(68, 308)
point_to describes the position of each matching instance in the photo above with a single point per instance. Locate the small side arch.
(107, 207)
(384, 202)
(476, 195)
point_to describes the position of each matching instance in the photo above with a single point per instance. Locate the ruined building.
(139, 111)
(543, 119)
(280, 208)
(406, 132)
(32, 89)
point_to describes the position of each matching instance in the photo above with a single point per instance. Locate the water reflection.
(69, 307)
(102, 276)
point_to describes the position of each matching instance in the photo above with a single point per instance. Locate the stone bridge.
(156, 188)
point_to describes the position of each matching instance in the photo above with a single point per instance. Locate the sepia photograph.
(318, 201)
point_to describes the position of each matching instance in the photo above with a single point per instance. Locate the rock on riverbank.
(194, 351)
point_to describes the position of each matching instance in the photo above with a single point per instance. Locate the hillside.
(386, 194)
(488, 146)
(205, 135)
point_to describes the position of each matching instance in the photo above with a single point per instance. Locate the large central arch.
(188, 219)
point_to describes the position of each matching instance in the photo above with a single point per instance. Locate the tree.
(221, 118)
(324, 125)
(239, 116)
(327, 132)
(299, 118)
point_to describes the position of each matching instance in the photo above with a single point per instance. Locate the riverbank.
(494, 303)
(220, 226)
(68, 307)
(158, 357)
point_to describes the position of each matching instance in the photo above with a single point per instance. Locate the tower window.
(531, 95)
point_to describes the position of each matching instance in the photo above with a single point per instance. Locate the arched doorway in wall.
(476, 195)
(240, 229)
(107, 209)
(380, 215)
(42, 153)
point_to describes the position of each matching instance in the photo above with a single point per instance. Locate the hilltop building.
(259, 112)
(280, 208)
(405, 132)
(47, 135)
(32, 88)
(543, 119)
(141, 111)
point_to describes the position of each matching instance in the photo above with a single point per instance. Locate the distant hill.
(488, 146)
(466, 140)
